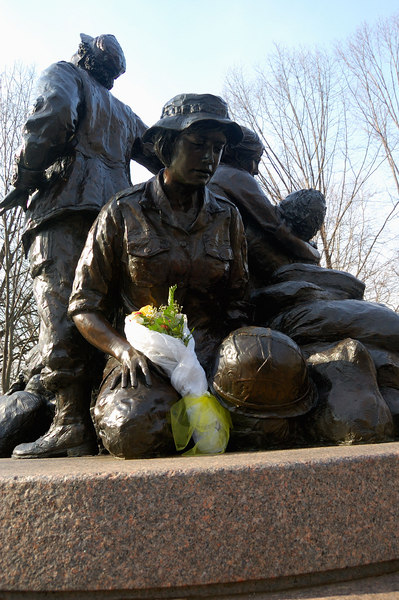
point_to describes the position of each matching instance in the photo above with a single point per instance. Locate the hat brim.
(233, 131)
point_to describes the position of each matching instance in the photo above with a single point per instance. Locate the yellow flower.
(148, 311)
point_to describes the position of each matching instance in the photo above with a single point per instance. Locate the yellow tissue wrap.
(203, 418)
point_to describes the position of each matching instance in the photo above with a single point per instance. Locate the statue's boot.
(71, 432)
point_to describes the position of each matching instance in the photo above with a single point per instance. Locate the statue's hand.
(301, 249)
(99, 332)
(315, 254)
(14, 198)
(131, 360)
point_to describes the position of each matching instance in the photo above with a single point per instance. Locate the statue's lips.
(204, 172)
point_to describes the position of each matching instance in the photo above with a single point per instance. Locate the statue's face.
(250, 162)
(196, 156)
(255, 164)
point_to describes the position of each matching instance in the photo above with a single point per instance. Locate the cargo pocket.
(40, 253)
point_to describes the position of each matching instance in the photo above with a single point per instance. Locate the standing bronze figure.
(77, 146)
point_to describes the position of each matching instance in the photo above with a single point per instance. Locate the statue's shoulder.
(129, 195)
(233, 179)
(61, 66)
(62, 77)
(221, 201)
(122, 202)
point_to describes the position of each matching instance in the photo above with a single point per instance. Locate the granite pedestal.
(203, 527)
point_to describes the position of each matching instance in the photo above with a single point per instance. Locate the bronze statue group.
(291, 349)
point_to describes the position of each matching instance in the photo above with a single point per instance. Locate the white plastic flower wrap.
(163, 336)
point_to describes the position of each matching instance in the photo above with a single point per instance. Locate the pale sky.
(175, 46)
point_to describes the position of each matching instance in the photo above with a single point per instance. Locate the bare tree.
(370, 62)
(298, 104)
(18, 321)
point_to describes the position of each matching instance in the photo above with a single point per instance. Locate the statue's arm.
(96, 293)
(143, 153)
(238, 307)
(51, 126)
(252, 202)
(99, 332)
(301, 250)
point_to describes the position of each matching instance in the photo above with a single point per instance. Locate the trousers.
(53, 255)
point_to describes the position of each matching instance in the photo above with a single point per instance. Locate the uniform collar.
(156, 199)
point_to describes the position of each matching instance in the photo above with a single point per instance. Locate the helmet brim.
(296, 408)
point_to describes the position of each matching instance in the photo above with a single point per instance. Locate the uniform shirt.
(83, 137)
(136, 250)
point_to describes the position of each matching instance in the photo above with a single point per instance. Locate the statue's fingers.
(146, 372)
(115, 381)
(133, 375)
(125, 373)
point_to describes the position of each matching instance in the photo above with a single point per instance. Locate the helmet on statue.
(263, 373)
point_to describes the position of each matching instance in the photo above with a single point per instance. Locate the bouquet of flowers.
(163, 336)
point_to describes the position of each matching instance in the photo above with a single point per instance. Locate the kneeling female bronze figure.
(170, 230)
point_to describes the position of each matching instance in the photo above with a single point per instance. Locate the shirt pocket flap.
(217, 250)
(147, 246)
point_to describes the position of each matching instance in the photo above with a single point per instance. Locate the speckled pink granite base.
(104, 524)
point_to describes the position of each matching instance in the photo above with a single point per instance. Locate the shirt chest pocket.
(218, 256)
(148, 259)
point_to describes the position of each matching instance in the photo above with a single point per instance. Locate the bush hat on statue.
(185, 109)
(262, 373)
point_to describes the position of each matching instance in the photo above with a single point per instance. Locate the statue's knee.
(135, 422)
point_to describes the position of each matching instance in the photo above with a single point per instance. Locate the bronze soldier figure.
(170, 230)
(77, 146)
(348, 342)
(272, 239)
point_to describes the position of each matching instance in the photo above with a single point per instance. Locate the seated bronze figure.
(351, 345)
